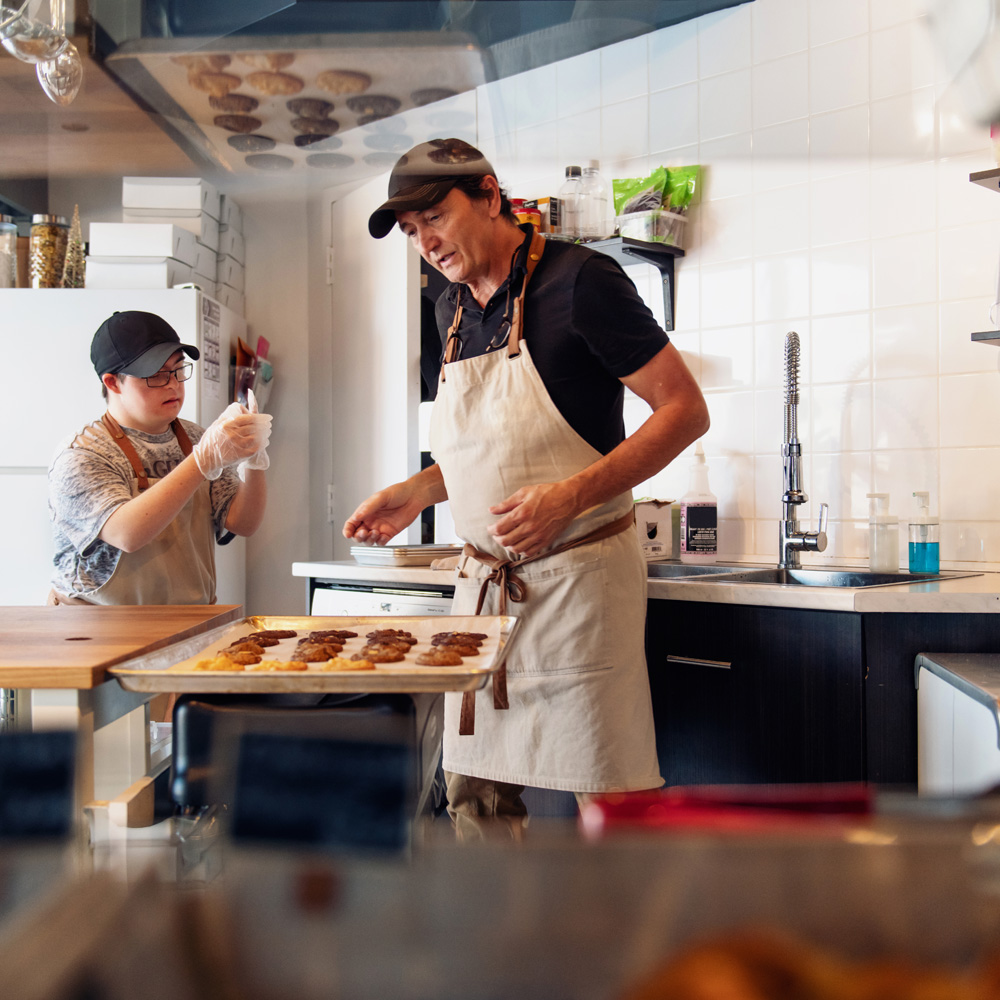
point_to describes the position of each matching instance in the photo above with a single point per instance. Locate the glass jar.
(47, 250)
(8, 252)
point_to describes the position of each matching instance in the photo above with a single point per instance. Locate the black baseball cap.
(136, 343)
(425, 175)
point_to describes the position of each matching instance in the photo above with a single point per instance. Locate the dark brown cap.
(425, 175)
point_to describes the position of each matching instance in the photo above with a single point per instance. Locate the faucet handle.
(824, 511)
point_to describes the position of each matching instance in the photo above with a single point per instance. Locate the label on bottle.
(699, 528)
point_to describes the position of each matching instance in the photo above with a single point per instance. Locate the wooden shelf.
(626, 250)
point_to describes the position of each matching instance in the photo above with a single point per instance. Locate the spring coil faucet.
(791, 540)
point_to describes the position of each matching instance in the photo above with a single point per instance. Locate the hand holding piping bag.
(235, 435)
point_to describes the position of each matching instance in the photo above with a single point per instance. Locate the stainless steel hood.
(338, 89)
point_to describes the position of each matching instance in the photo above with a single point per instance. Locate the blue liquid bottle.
(924, 548)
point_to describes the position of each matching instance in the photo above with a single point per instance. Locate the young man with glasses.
(139, 498)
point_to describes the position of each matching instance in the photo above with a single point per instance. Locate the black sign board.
(339, 794)
(36, 784)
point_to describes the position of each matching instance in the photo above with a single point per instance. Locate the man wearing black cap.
(138, 498)
(528, 438)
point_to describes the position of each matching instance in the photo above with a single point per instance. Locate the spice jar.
(8, 252)
(47, 250)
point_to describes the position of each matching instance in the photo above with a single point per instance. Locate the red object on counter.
(729, 808)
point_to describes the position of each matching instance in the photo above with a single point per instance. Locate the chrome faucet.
(791, 540)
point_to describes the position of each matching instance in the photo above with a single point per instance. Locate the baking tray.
(402, 555)
(172, 667)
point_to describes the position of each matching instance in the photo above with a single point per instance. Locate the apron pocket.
(563, 629)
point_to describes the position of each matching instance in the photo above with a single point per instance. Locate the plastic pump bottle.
(699, 515)
(924, 548)
(883, 535)
(569, 203)
(594, 223)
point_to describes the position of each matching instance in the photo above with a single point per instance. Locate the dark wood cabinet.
(751, 694)
(772, 695)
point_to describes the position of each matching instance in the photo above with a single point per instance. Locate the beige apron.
(580, 717)
(176, 567)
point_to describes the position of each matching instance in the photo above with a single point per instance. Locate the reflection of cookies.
(217, 84)
(239, 104)
(340, 663)
(238, 123)
(315, 126)
(374, 104)
(429, 95)
(269, 161)
(453, 151)
(252, 143)
(202, 63)
(390, 141)
(381, 159)
(309, 107)
(268, 60)
(343, 81)
(275, 83)
(319, 141)
(326, 161)
(439, 657)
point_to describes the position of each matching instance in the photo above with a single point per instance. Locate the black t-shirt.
(586, 328)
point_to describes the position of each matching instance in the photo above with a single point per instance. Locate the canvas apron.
(176, 567)
(580, 716)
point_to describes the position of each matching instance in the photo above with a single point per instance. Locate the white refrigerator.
(51, 390)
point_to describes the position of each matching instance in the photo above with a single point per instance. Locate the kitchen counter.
(966, 594)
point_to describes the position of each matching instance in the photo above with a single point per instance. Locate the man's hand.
(533, 517)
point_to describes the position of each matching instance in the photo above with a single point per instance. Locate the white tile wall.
(834, 201)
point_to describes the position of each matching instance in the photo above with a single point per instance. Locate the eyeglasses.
(162, 378)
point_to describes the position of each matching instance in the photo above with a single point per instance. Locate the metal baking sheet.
(402, 555)
(173, 667)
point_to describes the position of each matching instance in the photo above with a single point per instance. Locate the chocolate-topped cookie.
(239, 104)
(380, 105)
(252, 143)
(275, 83)
(343, 81)
(315, 126)
(309, 107)
(238, 123)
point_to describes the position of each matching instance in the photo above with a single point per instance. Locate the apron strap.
(454, 342)
(121, 439)
(504, 574)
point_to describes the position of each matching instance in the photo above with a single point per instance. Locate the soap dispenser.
(883, 535)
(924, 549)
(699, 515)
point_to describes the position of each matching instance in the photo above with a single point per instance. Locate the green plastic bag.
(681, 185)
(639, 194)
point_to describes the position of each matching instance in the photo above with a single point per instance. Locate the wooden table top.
(72, 646)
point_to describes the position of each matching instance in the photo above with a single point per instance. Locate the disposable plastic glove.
(260, 460)
(234, 435)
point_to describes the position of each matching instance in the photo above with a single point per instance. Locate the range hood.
(339, 89)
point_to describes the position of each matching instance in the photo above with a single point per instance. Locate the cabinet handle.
(694, 661)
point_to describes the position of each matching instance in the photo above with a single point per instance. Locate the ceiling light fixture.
(40, 39)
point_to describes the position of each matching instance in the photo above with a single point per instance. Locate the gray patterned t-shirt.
(90, 478)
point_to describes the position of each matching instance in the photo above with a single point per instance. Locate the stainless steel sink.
(667, 569)
(849, 578)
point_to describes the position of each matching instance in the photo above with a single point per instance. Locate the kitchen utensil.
(61, 76)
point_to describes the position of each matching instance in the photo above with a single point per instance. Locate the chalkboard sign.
(36, 784)
(339, 794)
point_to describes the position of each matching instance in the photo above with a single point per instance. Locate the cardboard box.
(229, 272)
(206, 284)
(231, 244)
(653, 522)
(132, 272)
(231, 298)
(177, 194)
(231, 216)
(204, 227)
(135, 239)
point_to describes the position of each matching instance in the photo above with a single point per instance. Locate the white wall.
(836, 202)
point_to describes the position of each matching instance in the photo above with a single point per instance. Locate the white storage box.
(231, 298)
(156, 239)
(232, 215)
(657, 226)
(129, 272)
(653, 523)
(187, 194)
(204, 227)
(231, 244)
(205, 262)
(206, 284)
(229, 272)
